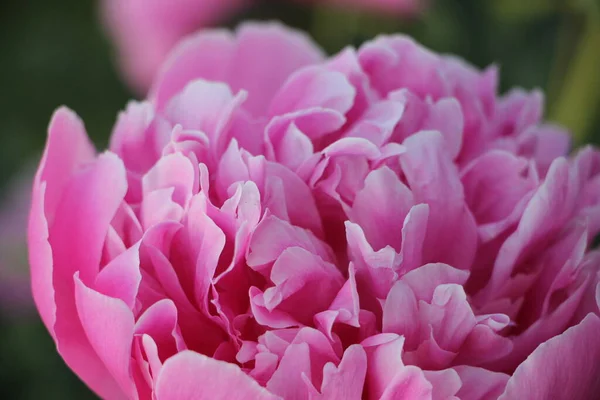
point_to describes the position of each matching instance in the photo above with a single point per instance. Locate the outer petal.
(67, 149)
(259, 60)
(40, 259)
(565, 367)
(108, 324)
(77, 236)
(266, 55)
(192, 376)
(51, 267)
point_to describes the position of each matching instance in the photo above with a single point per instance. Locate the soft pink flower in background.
(146, 30)
(274, 224)
(15, 291)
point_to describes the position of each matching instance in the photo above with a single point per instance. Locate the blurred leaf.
(521, 10)
(580, 94)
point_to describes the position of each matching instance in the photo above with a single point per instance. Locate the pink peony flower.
(146, 30)
(273, 224)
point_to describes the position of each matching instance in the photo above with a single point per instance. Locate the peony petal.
(108, 324)
(374, 270)
(258, 59)
(382, 225)
(479, 383)
(414, 230)
(273, 235)
(451, 316)
(409, 383)
(482, 345)
(384, 361)
(445, 384)
(397, 61)
(159, 322)
(345, 308)
(291, 146)
(434, 180)
(494, 185)
(544, 143)
(287, 380)
(401, 314)
(546, 212)
(66, 131)
(345, 382)
(294, 275)
(158, 206)
(88, 204)
(313, 87)
(40, 259)
(444, 116)
(139, 137)
(378, 122)
(266, 55)
(172, 171)
(193, 376)
(296, 195)
(570, 363)
(67, 149)
(424, 280)
(208, 107)
(187, 63)
(121, 278)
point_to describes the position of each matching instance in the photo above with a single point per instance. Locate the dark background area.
(55, 52)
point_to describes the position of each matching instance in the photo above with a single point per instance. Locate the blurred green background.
(54, 53)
